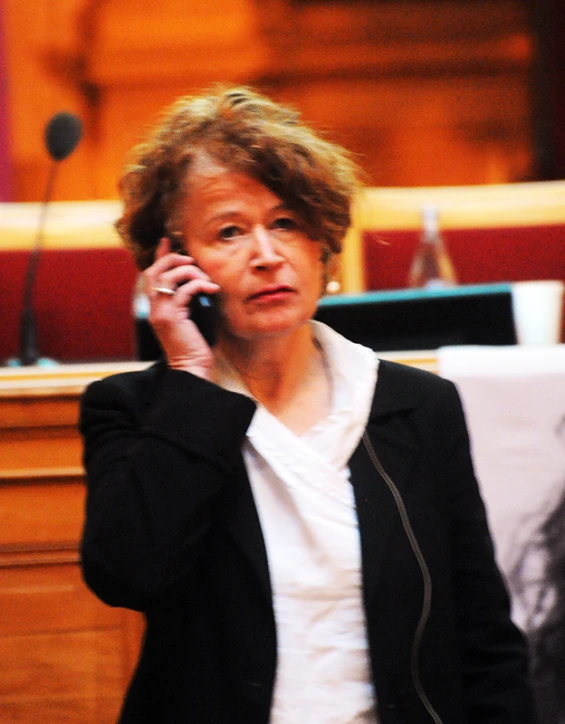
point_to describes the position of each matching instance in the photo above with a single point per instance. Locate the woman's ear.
(331, 272)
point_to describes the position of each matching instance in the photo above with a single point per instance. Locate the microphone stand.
(29, 351)
(62, 134)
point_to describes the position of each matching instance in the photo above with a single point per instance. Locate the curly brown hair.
(249, 133)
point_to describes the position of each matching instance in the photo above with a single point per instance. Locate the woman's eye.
(230, 232)
(286, 223)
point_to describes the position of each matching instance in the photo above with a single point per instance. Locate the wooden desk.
(65, 656)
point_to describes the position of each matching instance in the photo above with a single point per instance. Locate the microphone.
(62, 135)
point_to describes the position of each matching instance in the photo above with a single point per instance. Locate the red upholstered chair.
(482, 255)
(82, 303)
(84, 282)
(510, 232)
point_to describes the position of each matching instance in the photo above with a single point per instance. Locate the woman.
(546, 624)
(538, 580)
(236, 494)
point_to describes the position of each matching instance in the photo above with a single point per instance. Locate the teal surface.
(402, 295)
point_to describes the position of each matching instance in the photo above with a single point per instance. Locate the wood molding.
(42, 476)
(68, 225)
(462, 207)
(48, 554)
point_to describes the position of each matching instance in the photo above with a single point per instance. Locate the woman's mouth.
(271, 294)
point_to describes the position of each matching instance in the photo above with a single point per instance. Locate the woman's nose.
(265, 250)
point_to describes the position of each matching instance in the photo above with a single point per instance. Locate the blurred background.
(427, 92)
(465, 98)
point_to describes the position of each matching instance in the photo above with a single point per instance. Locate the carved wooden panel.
(427, 93)
(65, 656)
(62, 652)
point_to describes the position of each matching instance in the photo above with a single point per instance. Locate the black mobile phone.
(204, 313)
(203, 307)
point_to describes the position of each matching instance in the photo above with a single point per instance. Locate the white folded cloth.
(514, 399)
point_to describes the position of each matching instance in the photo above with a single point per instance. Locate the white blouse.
(307, 512)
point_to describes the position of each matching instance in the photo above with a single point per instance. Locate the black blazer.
(172, 530)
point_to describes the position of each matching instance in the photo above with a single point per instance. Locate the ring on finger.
(164, 290)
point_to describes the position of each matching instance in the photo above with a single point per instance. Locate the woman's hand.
(180, 339)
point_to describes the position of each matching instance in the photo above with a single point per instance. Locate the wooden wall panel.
(54, 677)
(66, 657)
(50, 599)
(427, 93)
(46, 513)
(39, 433)
(42, 43)
(433, 132)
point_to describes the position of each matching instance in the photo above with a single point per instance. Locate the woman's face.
(242, 235)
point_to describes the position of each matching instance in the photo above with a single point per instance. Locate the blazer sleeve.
(493, 651)
(155, 474)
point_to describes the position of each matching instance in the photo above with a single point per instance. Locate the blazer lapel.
(396, 449)
(245, 529)
(241, 513)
